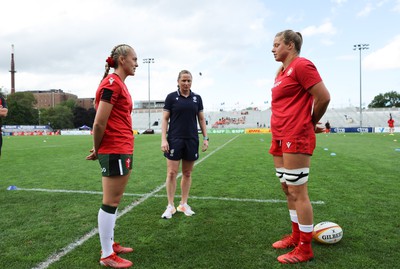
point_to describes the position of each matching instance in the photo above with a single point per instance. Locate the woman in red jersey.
(113, 147)
(391, 125)
(299, 100)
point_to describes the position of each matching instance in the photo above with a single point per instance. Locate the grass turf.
(236, 197)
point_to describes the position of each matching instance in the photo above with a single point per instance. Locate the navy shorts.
(183, 149)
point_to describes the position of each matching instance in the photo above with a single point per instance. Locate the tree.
(21, 109)
(389, 99)
(83, 116)
(58, 117)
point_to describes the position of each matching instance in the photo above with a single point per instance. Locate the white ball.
(327, 232)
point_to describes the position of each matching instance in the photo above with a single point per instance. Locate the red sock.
(295, 231)
(305, 241)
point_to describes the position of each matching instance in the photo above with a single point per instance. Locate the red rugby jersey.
(291, 102)
(118, 137)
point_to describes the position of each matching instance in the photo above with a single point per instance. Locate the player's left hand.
(205, 145)
(319, 129)
(92, 156)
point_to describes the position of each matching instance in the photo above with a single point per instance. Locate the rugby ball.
(327, 232)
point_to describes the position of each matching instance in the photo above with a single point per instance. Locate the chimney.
(12, 71)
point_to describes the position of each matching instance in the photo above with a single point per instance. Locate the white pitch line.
(272, 201)
(58, 255)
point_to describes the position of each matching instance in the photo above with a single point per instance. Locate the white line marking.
(177, 196)
(58, 255)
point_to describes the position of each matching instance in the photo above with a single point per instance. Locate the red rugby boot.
(120, 249)
(114, 261)
(286, 242)
(297, 255)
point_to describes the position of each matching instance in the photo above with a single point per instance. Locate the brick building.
(53, 97)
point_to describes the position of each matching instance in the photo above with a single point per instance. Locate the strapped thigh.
(280, 172)
(296, 176)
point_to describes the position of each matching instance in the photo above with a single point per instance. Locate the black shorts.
(183, 149)
(115, 164)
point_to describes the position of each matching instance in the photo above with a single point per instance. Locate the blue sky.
(64, 44)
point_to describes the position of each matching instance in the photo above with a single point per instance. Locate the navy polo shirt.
(183, 114)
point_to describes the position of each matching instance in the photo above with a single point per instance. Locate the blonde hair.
(292, 36)
(112, 61)
(184, 72)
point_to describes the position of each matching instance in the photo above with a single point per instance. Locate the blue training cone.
(12, 188)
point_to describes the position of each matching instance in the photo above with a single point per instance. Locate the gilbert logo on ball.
(327, 232)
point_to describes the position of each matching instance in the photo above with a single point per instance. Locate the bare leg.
(172, 172)
(186, 182)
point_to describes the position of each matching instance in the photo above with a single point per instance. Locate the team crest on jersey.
(194, 99)
(289, 71)
(128, 163)
(111, 80)
(288, 144)
(177, 98)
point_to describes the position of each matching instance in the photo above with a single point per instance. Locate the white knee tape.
(296, 176)
(280, 172)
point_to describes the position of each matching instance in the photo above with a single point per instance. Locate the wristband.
(206, 138)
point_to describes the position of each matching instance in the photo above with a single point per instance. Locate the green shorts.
(115, 164)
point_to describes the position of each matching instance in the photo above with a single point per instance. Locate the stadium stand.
(343, 117)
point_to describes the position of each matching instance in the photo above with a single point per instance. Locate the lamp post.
(148, 61)
(361, 47)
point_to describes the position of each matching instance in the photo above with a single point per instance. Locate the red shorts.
(304, 145)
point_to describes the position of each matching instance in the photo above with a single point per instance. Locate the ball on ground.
(327, 232)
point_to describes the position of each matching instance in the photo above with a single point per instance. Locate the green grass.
(359, 187)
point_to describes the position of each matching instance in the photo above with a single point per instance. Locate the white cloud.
(366, 10)
(339, 2)
(324, 29)
(387, 57)
(397, 6)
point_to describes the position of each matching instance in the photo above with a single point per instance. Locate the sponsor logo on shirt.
(289, 71)
(277, 83)
(194, 99)
(288, 144)
(111, 80)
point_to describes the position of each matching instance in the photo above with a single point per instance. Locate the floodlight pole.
(148, 61)
(361, 47)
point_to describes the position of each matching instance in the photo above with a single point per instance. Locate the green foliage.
(70, 103)
(21, 109)
(389, 99)
(59, 117)
(239, 205)
(83, 117)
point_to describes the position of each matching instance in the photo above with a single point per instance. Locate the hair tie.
(110, 62)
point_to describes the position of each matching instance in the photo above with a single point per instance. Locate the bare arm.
(3, 112)
(321, 101)
(164, 127)
(99, 126)
(203, 127)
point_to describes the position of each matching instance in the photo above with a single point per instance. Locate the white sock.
(293, 216)
(106, 222)
(306, 228)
